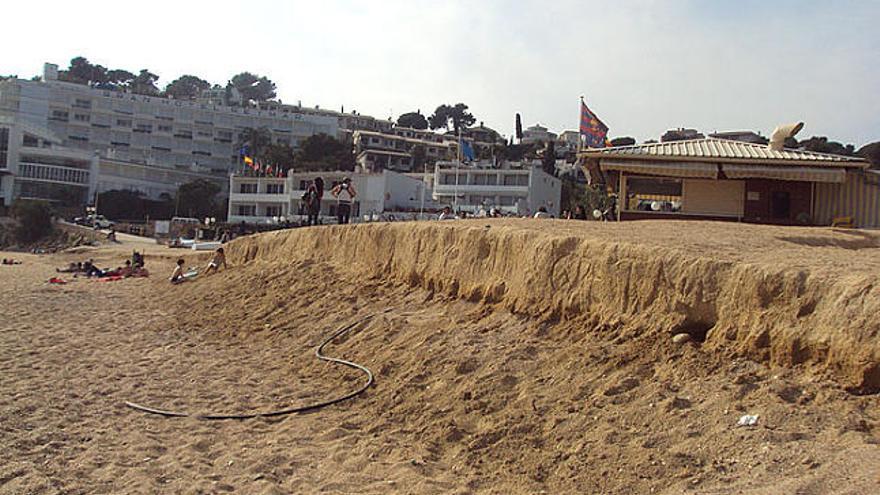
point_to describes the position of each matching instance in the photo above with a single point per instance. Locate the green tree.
(198, 199)
(519, 134)
(623, 141)
(453, 117)
(548, 162)
(121, 204)
(419, 158)
(186, 87)
(34, 219)
(145, 83)
(324, 152)
(871, 152)
(257, 140)
(81, 71)
(280, 156)
(253, 88)
(413, 119)
(120, 77)
(821, 144)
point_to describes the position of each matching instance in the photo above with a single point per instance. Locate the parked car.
(96, 221)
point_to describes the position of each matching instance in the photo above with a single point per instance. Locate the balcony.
(274, 198)
(480, 189)
(54, 173)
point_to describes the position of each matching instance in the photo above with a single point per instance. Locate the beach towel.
(56, 280)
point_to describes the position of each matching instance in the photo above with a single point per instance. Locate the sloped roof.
(723, 150)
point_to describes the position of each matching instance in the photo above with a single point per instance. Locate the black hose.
(291, 410)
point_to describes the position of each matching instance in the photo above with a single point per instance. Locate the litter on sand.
(747, 420)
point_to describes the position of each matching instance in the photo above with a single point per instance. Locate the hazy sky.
(643, 66)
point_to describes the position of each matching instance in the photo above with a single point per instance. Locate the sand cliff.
(810, 296)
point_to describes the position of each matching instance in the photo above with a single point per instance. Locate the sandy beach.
(474, 392)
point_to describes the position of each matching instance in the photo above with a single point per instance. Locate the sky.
(643, 66)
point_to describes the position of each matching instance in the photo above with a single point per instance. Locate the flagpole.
(457, 165)
(580, 134)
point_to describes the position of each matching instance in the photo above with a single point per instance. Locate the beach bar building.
(721, 179)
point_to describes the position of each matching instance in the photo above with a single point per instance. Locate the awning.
(700, 170)
(805, 174)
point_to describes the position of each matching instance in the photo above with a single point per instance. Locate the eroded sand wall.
(769, 313)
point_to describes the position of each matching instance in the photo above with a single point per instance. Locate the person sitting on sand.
(177, 274)
(137, 259)
(542, 213)
(218, 259)
(446, 214)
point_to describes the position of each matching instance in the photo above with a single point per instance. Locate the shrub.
(34, 220)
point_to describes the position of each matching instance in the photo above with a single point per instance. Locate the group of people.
(218, 259)
(133, 267)
(344, 192)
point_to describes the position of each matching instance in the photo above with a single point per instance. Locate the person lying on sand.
(72, 268)
(218, 259)
(177, 274)
(10, 262)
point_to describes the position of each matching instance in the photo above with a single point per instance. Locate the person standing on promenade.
(344, 193)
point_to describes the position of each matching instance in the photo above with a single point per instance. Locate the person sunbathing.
(72, 268)
(177, 274)
(218, 259)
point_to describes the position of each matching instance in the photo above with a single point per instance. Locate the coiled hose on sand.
(290, 410)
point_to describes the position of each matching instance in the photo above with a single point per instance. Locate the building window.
(60, 115)
(247, 188)
(449, 179)
(201, 153)
(247, 210)
(273, 211)
(275, 188)
(123, 122)
(78, 138)
(184, 134)
(81, 117)
(147, 128)
(81, 103)
(120, 144)
(30, 141)
(653, 194)
(164, 117)
(4, 146)
(165, 128)
(516, 180)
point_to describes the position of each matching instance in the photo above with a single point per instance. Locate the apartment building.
(34, 165)
(146, 129)
(537, 134)
(273, 200)
(516, 188)
(396, 150)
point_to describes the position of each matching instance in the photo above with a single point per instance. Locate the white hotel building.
(266, 200)
(145, 143)
(513, 188)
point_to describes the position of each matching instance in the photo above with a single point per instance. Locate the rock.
(681, 338)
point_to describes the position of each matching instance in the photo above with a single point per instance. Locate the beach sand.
(474, 392)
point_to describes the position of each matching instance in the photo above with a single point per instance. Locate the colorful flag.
(249, 161)
(594, 132)
(269, 169)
